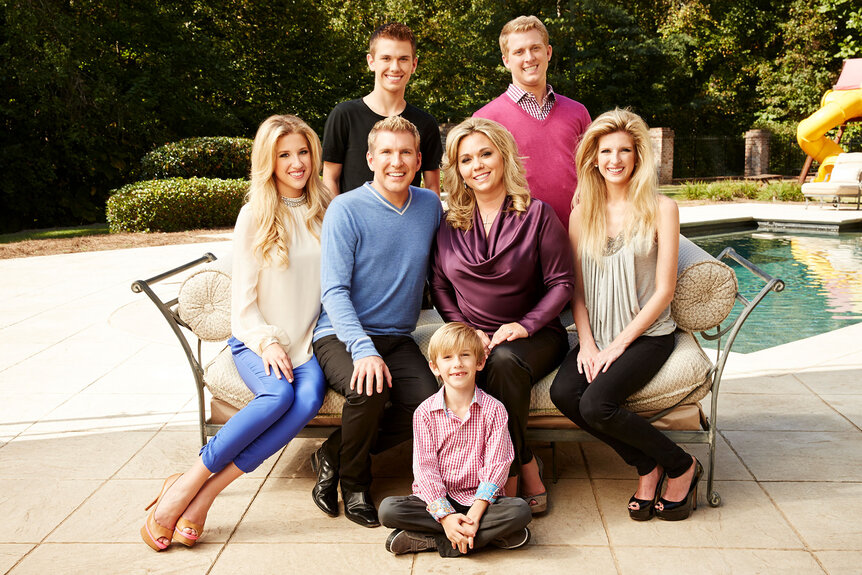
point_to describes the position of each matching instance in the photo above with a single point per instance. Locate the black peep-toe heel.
(646, 507)
(679, 510)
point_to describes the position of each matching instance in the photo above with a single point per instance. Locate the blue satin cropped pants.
(277, 413)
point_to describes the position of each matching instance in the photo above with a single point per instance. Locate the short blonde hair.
(521, 24)
(462, 200)
(392, 124)
(452, 338)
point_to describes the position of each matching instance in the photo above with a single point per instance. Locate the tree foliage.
(90, 86)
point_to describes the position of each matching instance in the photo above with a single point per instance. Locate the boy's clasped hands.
(461, 529)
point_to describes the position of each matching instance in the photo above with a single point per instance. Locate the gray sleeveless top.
(617, 290)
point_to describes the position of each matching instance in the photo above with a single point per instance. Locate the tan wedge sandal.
(152, 530)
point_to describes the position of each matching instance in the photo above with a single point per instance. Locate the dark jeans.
(596, 407)
(507, 515)
(378, 421)
(512, 369)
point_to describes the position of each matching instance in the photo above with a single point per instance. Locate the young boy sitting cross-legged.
(461, 457)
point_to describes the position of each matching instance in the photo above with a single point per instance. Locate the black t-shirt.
(345, 141)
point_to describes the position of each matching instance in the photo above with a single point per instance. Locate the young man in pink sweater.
(547, 126)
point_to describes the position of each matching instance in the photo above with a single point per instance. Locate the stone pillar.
(662, 145)
(757, 152)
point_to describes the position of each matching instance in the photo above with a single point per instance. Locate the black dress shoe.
(359, 508)
(325, 491)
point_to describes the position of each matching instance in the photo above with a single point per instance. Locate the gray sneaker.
(513, 540)
(400, 542)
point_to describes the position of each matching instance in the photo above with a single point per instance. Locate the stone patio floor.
(98, 407)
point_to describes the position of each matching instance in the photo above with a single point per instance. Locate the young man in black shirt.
(392, 58)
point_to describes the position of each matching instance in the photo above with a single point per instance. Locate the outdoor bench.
(705, 295)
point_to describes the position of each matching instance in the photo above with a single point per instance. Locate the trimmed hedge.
(175, 205)
(216, 157)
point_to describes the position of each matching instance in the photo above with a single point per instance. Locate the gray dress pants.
(505, 516)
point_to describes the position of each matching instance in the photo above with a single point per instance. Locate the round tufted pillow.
(705, 289)
(204, 304)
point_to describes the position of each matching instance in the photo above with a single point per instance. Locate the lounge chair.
(845, 181)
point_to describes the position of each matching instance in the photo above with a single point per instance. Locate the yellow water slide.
(837, 107)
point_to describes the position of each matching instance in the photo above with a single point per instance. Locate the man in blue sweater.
(375, 245)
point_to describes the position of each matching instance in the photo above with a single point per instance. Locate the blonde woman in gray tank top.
(625, 237)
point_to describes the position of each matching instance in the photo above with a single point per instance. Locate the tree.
(90, 86)
(791, 85)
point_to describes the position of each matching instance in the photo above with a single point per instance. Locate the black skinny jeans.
(596, 407)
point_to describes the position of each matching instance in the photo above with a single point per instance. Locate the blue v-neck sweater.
(374, 262)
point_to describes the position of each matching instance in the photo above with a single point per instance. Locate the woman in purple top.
(503, 265)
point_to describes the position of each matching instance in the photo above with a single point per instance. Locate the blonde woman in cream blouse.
(275, 303)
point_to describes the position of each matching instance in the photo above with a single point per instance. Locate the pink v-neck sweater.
(547, 147)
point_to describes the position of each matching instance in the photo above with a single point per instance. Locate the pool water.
(823, 275)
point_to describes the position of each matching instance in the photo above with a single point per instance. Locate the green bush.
(784, 191)
(721, 191)
(731, 189)
(219, 157)
(175, 204)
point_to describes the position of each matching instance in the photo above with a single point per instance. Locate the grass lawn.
(95, 238)
(54, 233)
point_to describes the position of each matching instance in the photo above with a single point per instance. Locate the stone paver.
(98, 407)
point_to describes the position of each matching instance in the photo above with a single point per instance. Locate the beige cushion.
(224, 381)
(685, 417)
(423, 334)
(332, 404)
(705, 289)
(427, 316)
(221, 411)
(204, 304)
(685, 371)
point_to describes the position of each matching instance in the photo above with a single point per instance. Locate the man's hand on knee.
(370, 373)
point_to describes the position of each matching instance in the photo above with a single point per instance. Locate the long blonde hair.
(462, 201)
(642, 216)
(273, 229)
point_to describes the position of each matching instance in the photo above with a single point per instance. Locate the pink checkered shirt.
(528, 103)
(466, 460)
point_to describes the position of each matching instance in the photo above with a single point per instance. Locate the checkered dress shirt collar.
(528, 102)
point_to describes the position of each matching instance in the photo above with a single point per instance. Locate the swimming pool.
(823, 275)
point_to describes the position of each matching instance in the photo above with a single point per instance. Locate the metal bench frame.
(707, 435)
